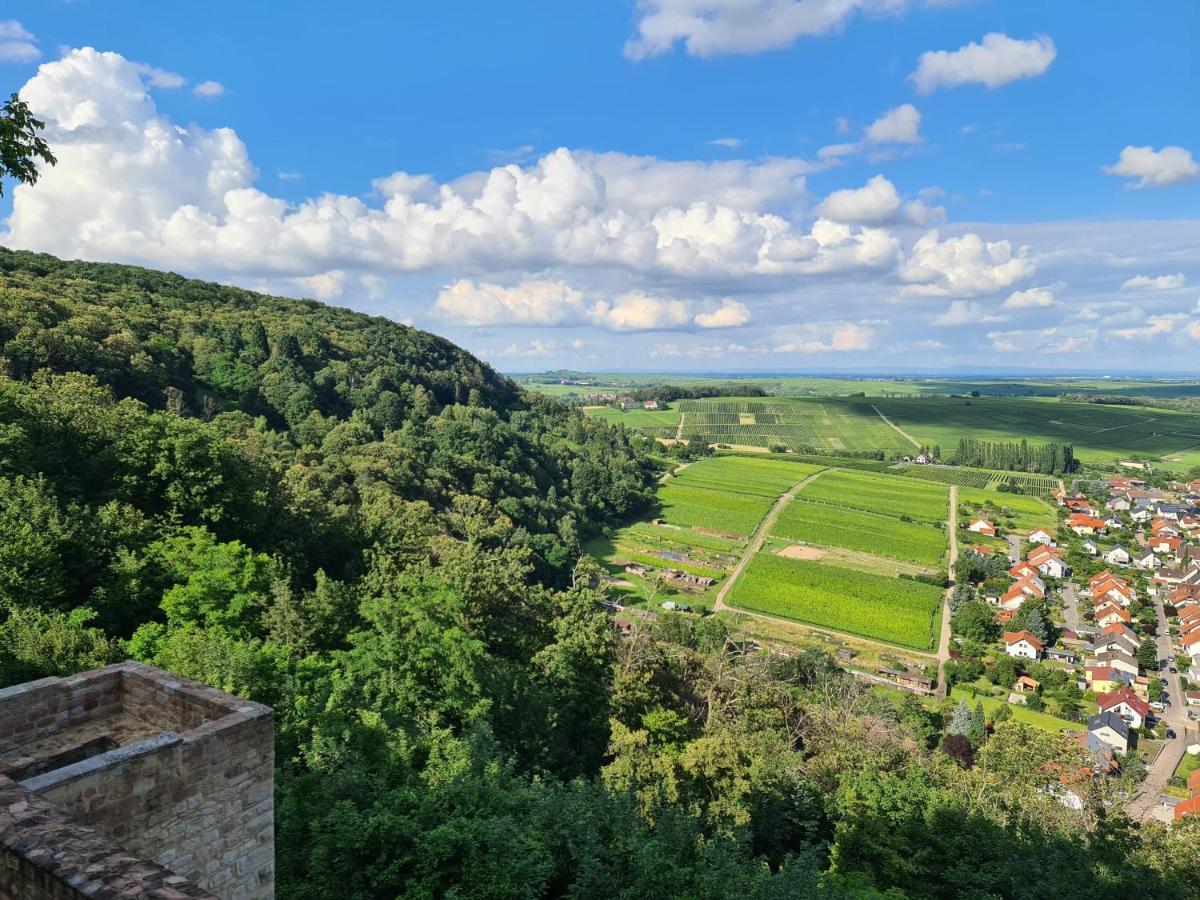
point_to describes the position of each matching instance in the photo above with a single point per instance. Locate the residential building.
(1111, 729)
(1023, 644)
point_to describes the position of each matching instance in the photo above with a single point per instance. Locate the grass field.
(834, 425)
(686, 504)
(1098, 433)
(1021, 513)
(831, 526)
(805, 385)
(655, 423)
(1042, 720)
(887, 609)
(741, 475)
(882, 494)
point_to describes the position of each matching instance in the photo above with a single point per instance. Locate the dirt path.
(759, 536)
(667, 476)
(943, 654)
(679, 430)
(900, 431)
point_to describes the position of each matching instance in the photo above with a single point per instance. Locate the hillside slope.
(371, 531)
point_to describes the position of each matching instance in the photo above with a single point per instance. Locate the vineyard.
(982, 479)
(896, 610)
(740, 475)
(719, 510)
(795, 423)
(882, 494)
(832, 526)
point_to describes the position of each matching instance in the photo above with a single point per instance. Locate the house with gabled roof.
(1023, 644)
(1117, 660)
(1126, 704)
(1118, 556)
(982, 526)
(1145, 560)
(1110, 613)
(1111, 729)
(1083, 523)
(1047, 561)
(1040, 536)
(1090, 547)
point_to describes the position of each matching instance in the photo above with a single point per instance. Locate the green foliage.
(366, 528)
(21, 147)
(35, 644)
(882, 494)
(976, 620)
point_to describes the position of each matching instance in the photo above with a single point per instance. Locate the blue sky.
(673, 184)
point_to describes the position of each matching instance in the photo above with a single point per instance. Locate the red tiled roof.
(1013, 637)
(1128, 697)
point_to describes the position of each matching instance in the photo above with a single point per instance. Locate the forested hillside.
(370, 530)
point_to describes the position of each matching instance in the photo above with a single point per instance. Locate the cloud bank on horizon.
(586, 257)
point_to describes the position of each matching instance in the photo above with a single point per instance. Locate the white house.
(1110, 728)
(1040, 536)
(1023, 644)
(1126, 704)
(1090, 548)
(1118, 556)
(982, 526)
(1146, 560)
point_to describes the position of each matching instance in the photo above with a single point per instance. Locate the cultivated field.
(978, 478)
(1097, 432)
(706, 513)
(655, 423)
(882, 494)
(830, 425)
(874, 606)
(832, 526)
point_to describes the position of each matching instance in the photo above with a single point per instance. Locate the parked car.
(1171, 734)
(1159, 706)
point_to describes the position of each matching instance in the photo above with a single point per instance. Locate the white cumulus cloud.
(996, 61)
(716, 27)
(1029, 299)
(133, 186)
(209, 90)
(730, 314)
(1154, 282)
(876, 203)
(531, 302)
(900, 125)
(1155, 168)
(964, 266)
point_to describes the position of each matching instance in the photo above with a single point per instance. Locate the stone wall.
(44, 855)
(188, 783)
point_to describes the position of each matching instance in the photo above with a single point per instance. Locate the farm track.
(943, 654)
(760, 536)
(900, 431)
(679, 430)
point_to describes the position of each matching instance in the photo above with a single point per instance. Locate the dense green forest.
(371, 531)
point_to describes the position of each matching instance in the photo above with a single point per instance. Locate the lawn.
(882, 494)
(898, 611)
(1045, 721)
(1187, 766)
(1025, 513)
(832, 526)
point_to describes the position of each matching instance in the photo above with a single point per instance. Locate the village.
(1102, 612)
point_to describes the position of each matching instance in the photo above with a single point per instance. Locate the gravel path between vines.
(900, 431)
